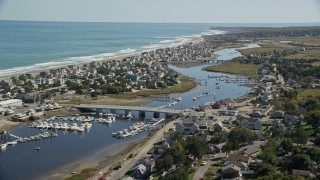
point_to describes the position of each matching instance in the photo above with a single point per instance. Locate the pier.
(103, 108)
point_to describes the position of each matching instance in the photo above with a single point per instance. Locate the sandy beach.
(100, 158)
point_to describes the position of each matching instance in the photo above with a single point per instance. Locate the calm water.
(226, 90)
(70, 147)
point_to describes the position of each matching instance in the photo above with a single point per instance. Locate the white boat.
(74, 127)
(81, 128)
(113, 118)
(12, 143)
(179, 99)
(114, 134)
(3, 146)
(126, 133)
(108, 121)
(87, 125)
(65, 126)
(129, 115)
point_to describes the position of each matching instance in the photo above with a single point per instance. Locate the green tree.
(265, 169)
(315, 154)
(269, 153)
(313, 119)
(311, 104)
(167, 161)
(292, 106)
(239, 136)
(195, 146)
(317, 140)
(300, 136)
(287, 144)
(300, 161)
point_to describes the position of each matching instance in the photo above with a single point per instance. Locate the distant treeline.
(244, 33)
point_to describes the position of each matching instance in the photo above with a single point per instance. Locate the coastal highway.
(129, 163)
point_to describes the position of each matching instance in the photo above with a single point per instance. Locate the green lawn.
(266, 48)
(185, 85)
(307, 93)
(235, 67)
(308, 54)
(190, 175)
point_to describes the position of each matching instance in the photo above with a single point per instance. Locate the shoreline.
(194, 40)
(101, 158)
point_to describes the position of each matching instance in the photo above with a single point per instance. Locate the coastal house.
(278, 114)
(187, 128)
(28, 97)
(140, 172)
(243, 166)
(242, 158)
(302, 173)
(291, 119)
(250, 123)
(150, 165)
(266, 97)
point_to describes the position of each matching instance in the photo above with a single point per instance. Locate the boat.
(3, 146)
(38, 148)
(12, 143)
(108, 121)
(179, 99)
(87, 125)
(129, 115)
(74, 127)
(126, 133)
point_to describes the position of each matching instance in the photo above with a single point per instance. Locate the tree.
(287, 144)
(315, 154)
(195, 146)
(300, 136)
(167, 161)
(269, 153)
(292, 106)
(265, 169)
(93, 94)
(311, 104)
(317, 140)
(300, 161)
(239, 136)
(313, 119)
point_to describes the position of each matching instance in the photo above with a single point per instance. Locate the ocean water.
(26, 46)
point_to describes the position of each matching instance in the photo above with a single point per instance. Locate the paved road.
(201, 171)
(129, 163)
